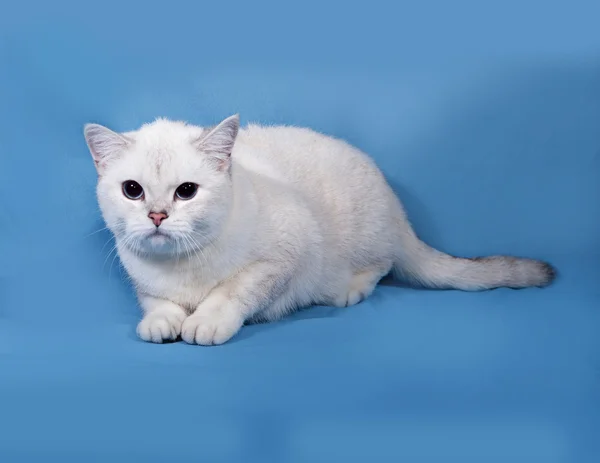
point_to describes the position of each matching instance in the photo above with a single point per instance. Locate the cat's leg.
(361, 285)
(162, 319)
(221, 315)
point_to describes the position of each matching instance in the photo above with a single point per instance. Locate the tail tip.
(549, 274)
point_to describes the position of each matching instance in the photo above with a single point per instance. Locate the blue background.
(485, 116)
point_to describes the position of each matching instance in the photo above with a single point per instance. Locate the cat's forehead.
(163, 136)
(163, 146)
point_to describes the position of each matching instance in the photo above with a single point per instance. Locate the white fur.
(284, 218)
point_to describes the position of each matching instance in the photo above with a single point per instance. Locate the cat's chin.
(156, 243)
(159, 243)
(159, 240)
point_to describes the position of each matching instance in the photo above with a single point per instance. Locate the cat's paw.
(361, 287)
(210, 329)
(159, 327)
(349, 298)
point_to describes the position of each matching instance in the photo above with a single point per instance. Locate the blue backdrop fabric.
(484, 116)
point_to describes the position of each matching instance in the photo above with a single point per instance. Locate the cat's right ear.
(104, 144)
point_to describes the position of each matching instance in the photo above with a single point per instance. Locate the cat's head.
(166, 188)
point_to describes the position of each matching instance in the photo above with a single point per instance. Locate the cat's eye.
(132, 189)
(186, 191)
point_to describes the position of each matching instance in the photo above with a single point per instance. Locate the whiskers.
(97, 231)
(129, 239)
(115, 235)
(192, 249)
(180, 246)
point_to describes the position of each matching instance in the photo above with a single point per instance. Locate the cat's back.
(302, 156)
(300, 171)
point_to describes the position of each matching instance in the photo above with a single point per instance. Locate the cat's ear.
(104, 144)
(219, 142)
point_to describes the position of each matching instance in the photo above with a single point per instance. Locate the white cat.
(222, 226)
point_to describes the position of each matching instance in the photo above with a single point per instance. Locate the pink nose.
(157, 217)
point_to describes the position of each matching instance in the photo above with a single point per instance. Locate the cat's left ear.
(104, 144)
(218, 143)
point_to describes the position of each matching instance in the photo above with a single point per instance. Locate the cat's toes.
(347, 299)
(159, 328)
(361, 287)
(209, 330)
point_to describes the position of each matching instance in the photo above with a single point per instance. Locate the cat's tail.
(421, 264)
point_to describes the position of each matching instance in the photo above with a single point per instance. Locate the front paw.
(159, 327)
(210, 329)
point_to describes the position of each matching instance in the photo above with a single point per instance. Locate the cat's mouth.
(158, 236)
